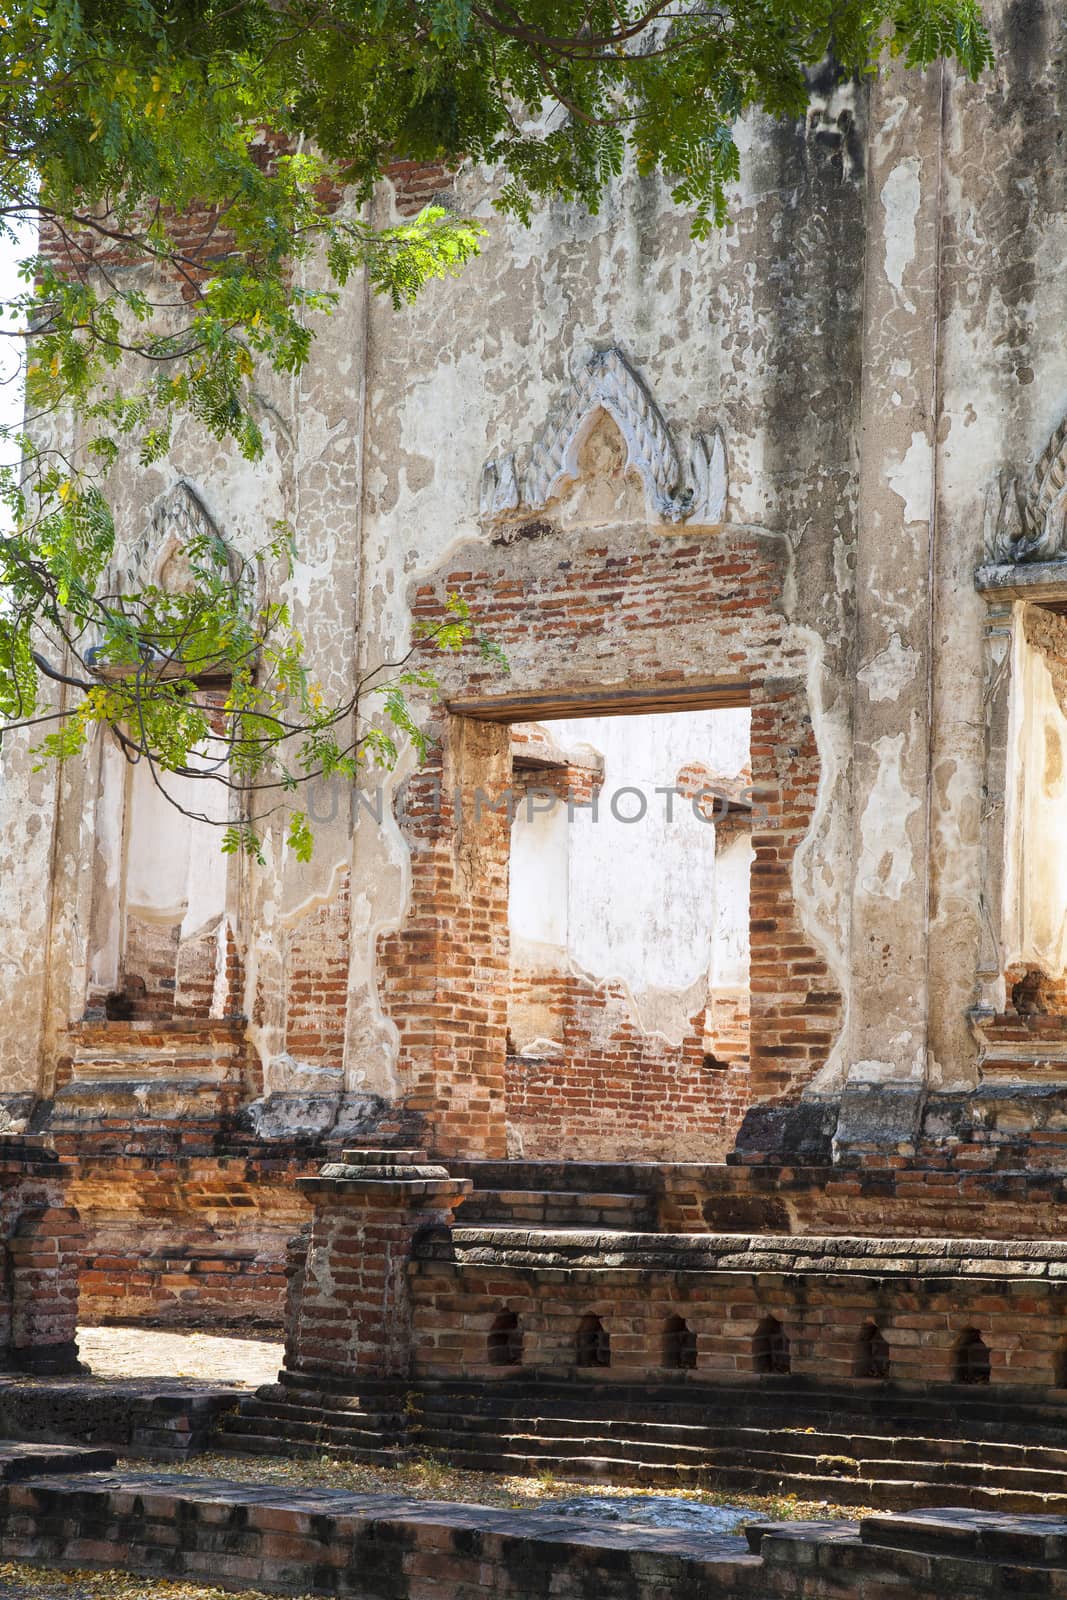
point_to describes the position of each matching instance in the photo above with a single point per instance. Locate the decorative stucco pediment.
(695, 492)
(178, 535)
(1027, 521)
(159, 558)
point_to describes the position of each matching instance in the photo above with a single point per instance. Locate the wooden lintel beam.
(647, 701)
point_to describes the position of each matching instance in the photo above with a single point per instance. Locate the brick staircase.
(143, 1072)
(373, 1424)
(883, 1445)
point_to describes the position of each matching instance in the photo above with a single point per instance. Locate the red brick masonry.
(380, 1547)
(927, 1300)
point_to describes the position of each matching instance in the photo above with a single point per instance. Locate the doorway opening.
(164, 945)
(629, 989)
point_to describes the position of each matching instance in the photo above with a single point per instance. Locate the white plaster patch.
(890, 671)
(821, 893)
(885, 864)
(912, 478)
(900, 199)
(886, 1074)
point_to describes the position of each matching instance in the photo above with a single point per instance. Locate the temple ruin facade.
(800, 484)
(738, 866)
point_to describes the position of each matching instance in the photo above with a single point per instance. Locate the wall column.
(350, 1310)
(887, 1040)
(446, 973)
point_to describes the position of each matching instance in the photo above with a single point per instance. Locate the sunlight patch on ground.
(152, 1353)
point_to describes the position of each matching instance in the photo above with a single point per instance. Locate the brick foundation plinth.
(381, 1547)
(349, 1311)
(43, 1242)
(193, 1240)
(927, 1300)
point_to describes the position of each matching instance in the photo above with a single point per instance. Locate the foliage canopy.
(121, 119)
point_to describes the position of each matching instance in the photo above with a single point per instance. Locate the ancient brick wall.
(383, 1547)
(613, 1090)
(445, 973)
(41, 1240)
(188, 1241)
(44, 1256)
(727, 1025)
(905, 1201)
(151, 955)
(951, 1200)
(316, 965)
(419, 183)
(773, 1307)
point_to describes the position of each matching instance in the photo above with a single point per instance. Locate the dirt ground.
(18, 1582)
(150, 1353)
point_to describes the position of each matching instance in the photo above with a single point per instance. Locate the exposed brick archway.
(650, 622)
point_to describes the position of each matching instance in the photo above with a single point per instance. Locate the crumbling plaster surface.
(27, 817)
(877, 332)
(57, 936)
(1035, 923)
(1003, 391)
(756, 331)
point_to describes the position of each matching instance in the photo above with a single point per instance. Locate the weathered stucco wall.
(874, 338)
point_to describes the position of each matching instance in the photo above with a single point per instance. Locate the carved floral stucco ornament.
(157, 557)
(1029, 522)
(609, 384)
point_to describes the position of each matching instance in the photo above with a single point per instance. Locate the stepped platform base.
(148, 1418)
(382, 1547)
(1000, 1192)
(20, 1460)
(875, 1444)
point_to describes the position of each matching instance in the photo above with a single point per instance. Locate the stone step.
(1000, 1418)
(560, 1177)
(297, 1390)
(278, 1399)
(280, 1446)
(893, 1453)
(895, 1493)
(309, 1431)
(24, 1460)
(557, 1208)
(791, 1441)
(140, 1417)
(922, 1465)
(308, 1411)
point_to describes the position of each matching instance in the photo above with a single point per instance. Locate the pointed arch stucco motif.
(178, 519)
(607, 383)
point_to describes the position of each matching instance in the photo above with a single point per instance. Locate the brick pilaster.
(350, 1307)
